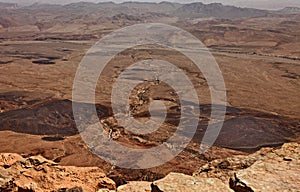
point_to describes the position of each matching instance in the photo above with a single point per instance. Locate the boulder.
(270, 169)
(277, 171)
(175, 182)
(135, 186)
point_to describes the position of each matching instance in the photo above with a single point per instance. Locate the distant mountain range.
(196, 10)
(290, 10)
(8, 5)
(130, 10)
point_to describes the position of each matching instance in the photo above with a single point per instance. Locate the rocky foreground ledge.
(266, 170)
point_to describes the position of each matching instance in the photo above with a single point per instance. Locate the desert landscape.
(258, 52)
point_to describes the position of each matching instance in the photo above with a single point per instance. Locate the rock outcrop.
(266, 170)
(278, 170)
(180, 182)
(136, 186)
(175, 182)
(39, 174)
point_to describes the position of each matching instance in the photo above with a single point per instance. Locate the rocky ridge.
(270, 169)
(266, 170)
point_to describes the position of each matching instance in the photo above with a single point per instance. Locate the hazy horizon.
(260, 4)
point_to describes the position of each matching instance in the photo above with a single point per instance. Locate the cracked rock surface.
(278, 170)
(37, 174)
(270, 169)
(266, 170)
(180, 182)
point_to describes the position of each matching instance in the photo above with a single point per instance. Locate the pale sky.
(262, 4)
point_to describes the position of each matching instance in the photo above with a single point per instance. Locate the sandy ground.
(260, 66)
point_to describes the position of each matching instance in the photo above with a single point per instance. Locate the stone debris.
(37, 174)
(272, 170)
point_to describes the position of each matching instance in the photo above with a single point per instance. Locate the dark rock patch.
(53, 138)
(44, 62)
(74, 189)
(49, 117)
(291, 76)
(243, 129)
(239, 186)
(5, 62)
(249, 130)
